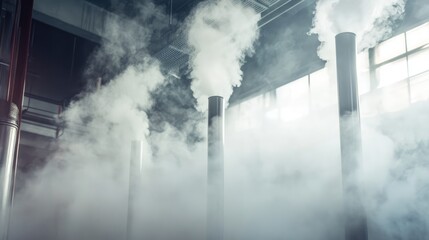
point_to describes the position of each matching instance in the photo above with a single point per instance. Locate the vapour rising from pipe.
(220, 34)
(394, 152)
(79, 193)
(282, 180)
(370, 20)
(82, 191)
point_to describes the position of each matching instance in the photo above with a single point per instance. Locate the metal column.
(10, 109)
(136, 168)
(350, 136)
(20, 52)
(215, 174)
(8, 137)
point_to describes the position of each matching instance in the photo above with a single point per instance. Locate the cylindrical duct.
(215, 173)
(136, 168)
(350, 136)
(8, 136)
(10, 109)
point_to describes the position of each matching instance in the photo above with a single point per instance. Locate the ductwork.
(10, 109)
(8, 140)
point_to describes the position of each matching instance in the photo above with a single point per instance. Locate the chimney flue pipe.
(11, 107)
(8, 140)
(135, 172)
(350, 136)
(215, 173)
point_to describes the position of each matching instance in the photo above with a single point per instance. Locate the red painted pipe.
(13, 52)
(20, 51)
(18, 67)
(20, 46)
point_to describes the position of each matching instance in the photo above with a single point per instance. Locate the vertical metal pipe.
(24, 37)
(25, 13)
(4, 66)
(10, 110)
(215, 174)
(14, 45)
(350, 136)
(8, 136)
(136, 168)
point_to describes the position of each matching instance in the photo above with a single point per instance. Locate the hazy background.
(282, 181)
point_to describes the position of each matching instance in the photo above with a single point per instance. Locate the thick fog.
(282, 179)
(220, 35)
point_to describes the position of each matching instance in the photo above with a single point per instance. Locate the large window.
(293, 99)
(401, 66)
(321, 89)
(391, 76)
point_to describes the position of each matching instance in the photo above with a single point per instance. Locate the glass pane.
(390, 48)
(418, 37)
(232, 120)
(320, 89)
(269, 100)
(395, 97)
(419, 86)
(418, 62)
(251, 113)
(392, 72)
(370, 104)
(364, 79)
(389, 99)
(293, 99)
(272, 114)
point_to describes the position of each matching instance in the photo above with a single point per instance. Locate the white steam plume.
(394, 145)
(395, 163)
(126, 40)
(81, 192)
(283, 179)
(370, 20)
(220, 34)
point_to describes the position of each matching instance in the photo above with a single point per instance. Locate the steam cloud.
(221, 33)
(282, 180)
(370, 20)
(285, 181)
(82, 191)
(83, 185)
(395, 155)
(394, 148)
